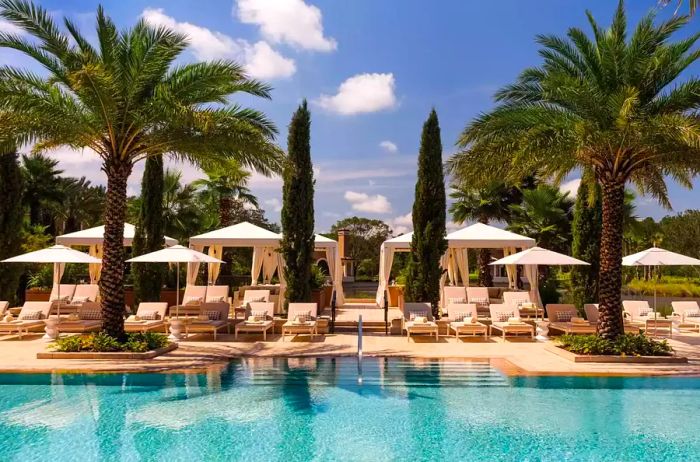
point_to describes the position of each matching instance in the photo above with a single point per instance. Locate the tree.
(43, 187)
(150, 233)
(124, 100)
(11, 218)
(223, 187)
(608, 103)
(81, 206)
(484, 205)
(297, 245)
(365, 236)
(429, 243)
(544, 215)
(681, 233)
(588, 217)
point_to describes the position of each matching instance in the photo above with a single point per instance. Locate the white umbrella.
(57, 254)
(175, 254)
(656, 256)
(535, 256)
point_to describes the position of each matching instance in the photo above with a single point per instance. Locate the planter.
(105, 355)
(318, 296)
(573, 357)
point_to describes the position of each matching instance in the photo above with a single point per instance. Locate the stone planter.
(576, 358)
(106, 355)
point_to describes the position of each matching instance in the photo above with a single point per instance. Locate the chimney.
(342, 243)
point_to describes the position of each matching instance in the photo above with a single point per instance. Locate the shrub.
(624, 345)
(101, 342)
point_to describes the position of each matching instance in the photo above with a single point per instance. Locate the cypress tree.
(298, 208)
(11, 217)
(586, 229)
(149, 235)
(429, 243)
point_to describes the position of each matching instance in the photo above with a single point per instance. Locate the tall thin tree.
(429, 222)
(585, 243)
(11, 217)
(150, 232)
(298, 208)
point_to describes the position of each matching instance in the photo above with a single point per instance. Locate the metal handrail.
(359, 338)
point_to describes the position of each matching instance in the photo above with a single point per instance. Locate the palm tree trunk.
(225, 206)
(112, 276)
(610, 323)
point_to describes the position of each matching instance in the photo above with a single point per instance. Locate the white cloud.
(361, 93)
(274, 204)
(365, 203)
(290, 21)
(8, 28)
(401, 224)
(259, 59)
(389, 146)
(571, 187)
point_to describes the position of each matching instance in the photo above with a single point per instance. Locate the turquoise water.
(315, 409)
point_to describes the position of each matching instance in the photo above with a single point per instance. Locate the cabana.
(266, 258)
(455, 261)
(93, 238)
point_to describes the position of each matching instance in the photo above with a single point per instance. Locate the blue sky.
(371, 70)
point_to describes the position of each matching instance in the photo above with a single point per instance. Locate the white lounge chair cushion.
(302, 318)
(258, 315)
(479, 300)
(150, 316)
(193, 301)
(81, 299)
(692, 314)
(504, 316)
(456, 301)
(417, 314)
(65, 298)
(31, 315)
(215, 299)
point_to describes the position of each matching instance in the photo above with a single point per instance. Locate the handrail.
(386, 312)
(333, 303)
(359, 350)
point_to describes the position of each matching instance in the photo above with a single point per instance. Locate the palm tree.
(43, 187)
(183, 214)
(81, 207)
(483, 205)
(607, 103)
(125, 100)
(224, 186)
(545, 215)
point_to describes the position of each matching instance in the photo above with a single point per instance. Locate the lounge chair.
(216, 319)
(256, 295)
(216, 294)
(84, 296)
(4, 306)
(192, 301)
(152, 317)
(637, 311)
(31, 317)
(89, 320)
(506, 319)
(591, 310)
(301, 319)
(480, 297)
(564, 318)
(462, 317)
(689, 313)
(518, 299)
(453, 294)
(412, 322)
(263, 312)
(66, 295)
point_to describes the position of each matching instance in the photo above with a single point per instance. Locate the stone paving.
(522, 357)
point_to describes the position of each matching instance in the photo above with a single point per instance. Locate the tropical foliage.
(11, 222)
(125, 100)
(609, 102)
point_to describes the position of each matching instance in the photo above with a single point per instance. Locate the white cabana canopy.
(455, 261)
(266, 258)
(94, 238)
(533, 257)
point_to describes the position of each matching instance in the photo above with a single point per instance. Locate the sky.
(371, 71)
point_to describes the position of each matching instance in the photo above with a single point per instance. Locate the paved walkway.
(522, 357)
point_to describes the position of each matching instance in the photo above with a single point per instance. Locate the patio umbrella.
(534, 256)
(656, 257)
(175, 254)
(59, 255)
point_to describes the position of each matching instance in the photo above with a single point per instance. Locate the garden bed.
(106, 354)
(617, 359)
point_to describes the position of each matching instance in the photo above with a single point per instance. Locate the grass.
(667, 287)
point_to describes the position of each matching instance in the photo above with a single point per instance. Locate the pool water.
(315, 409)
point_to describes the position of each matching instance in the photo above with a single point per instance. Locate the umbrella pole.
(177, 292)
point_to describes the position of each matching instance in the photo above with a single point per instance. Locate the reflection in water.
(314, 409)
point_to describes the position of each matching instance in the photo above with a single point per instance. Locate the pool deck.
(514, 357)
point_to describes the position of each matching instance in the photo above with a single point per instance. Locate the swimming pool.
(315, 409)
